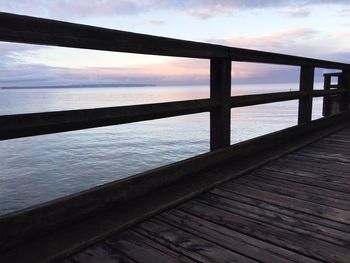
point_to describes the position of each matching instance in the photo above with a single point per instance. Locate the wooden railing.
(23, 29)
(25, 225)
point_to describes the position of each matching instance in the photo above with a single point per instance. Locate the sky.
(312, 28)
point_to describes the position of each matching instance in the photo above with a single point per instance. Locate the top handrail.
(32, 30)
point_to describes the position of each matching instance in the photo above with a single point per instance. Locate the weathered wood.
(21, 125)
(318, 182)
(279, 220)
(220, 92)
(31, 30)
(141, 248)
(315, 190)
(187, 244)
(326, 99)
(89, 231)
(346, 85)
(317, 165)
(35, 221)
(314, 174)
(227, 238)
(256, 99)
(276, 188)
(278, 209)
(248, 55)
(327, 92)
(101, 253)
(324, 211)
(306, 85)
(265, 231)
(323, 152)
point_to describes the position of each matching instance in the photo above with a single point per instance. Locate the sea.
(38, 169)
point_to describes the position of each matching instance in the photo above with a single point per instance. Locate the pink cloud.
(156, 22)
(201, 9)
(297, 12)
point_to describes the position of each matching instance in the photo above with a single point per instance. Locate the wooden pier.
(276, 198)
(294, 209)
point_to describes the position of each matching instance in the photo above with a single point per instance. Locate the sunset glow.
(304, 28)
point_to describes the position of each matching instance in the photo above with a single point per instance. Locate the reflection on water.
(41, 168)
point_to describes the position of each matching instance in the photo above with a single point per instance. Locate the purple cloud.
(156, 22)
(297, 12)
(202, 9)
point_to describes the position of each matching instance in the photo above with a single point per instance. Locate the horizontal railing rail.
(22, 125)
(31, 30)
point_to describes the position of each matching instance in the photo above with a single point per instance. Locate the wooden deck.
(294, 209)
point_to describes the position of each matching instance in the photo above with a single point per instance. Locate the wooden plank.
(311, 189)
(22, 125)
(247, 55)
(335, 74)
(317, 249)
(346, 84)
(324, 184)
(31, 30)
(187, 244)
(305, 206)
(279, 209)
(344, 136)
(233, 240)
(220, 91)
(338, 143)
(345, 98)
(329, 148)
(323, 154)
(312, 175)
(306, 85)
(270, 217)
(294, 193)
(324, 93)
(318, 165)
(141, 248)
(326, 110)
(296, 190)
(293, 163)
(256, 99)
(100, 253)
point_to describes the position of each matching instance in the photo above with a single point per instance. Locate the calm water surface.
(41, 168)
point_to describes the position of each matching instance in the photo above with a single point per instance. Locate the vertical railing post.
(306, 86)
(220, 91)
(346, 85)
(326, 99)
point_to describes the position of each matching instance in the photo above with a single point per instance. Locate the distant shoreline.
(83, 86)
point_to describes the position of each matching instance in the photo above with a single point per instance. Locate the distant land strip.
(82, 86)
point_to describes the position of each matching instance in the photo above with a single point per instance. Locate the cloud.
(175, 72)
(297, 12)
(295, 41)
(155, 22)
(69, 9)
(200, 15)
(202, 9)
